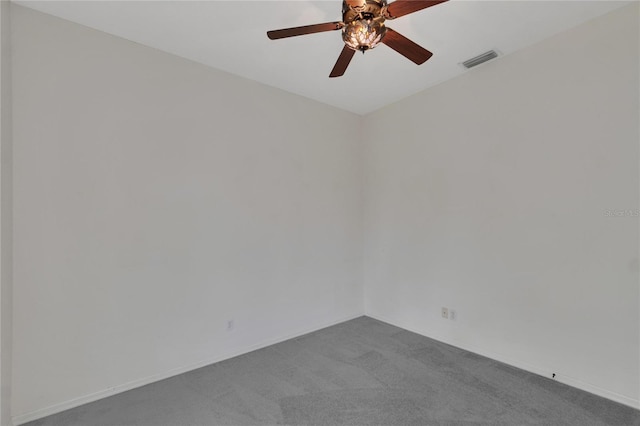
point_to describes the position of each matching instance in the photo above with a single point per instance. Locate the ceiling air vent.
(487, 56)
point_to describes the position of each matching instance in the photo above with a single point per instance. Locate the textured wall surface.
(156, 199)
(511, 196)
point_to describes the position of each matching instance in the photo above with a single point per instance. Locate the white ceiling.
(231, 36)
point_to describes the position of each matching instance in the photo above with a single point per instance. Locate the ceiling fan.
(363, 28)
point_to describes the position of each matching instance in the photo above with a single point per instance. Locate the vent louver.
(487, 56)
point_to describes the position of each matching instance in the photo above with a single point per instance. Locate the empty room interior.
(200, 226)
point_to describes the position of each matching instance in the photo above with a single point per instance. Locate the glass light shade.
(363, 34)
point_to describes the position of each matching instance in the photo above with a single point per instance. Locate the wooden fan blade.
(343, 62)
(406, 47)
(404, 7)
(307, 29)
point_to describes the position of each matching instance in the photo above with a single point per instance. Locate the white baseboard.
(567, 380)
(81, 400)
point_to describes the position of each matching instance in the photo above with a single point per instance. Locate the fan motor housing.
(353, 10)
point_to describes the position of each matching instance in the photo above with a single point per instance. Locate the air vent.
(487, 56)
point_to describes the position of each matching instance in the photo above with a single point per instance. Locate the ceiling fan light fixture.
(363, 28)
(363, 34)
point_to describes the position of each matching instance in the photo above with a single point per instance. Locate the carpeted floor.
(362, 372)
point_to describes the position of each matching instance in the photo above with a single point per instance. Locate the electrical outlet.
(452, 315)
(445, 313)
(230, 325)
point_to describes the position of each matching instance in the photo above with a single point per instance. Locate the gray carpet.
(361, 372)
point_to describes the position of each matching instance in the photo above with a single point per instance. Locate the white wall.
(488, 194)
(156, 198)
(6, 252)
